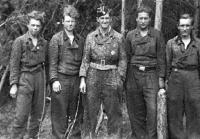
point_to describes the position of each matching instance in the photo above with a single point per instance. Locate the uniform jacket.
(25, 56)
(63, 57)
(109, 48)
(147, 51)
(179, 57)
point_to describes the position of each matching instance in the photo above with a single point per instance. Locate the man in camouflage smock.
(27, 77)
(103, 67)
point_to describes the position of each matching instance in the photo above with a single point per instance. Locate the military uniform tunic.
(104, 66)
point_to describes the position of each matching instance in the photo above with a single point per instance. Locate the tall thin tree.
(123, 17)
(161, 100)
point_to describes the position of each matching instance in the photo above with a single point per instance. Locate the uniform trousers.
(30, 101)
(64, 107)
(141, 93)
(103, 87)
(183, 98)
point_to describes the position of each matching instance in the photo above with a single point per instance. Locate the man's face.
(185, 27)
(34, 26)
(69, 23)
(143, 20)
(104, 21)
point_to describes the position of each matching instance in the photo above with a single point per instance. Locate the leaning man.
(183, 62)
(27, 77)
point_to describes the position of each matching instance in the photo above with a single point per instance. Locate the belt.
(104, 62)
(143, 68)
(102, 66)
(185, 68)
(35, 68)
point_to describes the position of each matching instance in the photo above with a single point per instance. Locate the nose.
(143, 20)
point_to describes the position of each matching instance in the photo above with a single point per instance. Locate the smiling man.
(183, 62)
(65, 56)
(145, 75)
(27, 77)
(103, 70)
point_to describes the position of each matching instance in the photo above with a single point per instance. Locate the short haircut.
(37, 15)
(70, 10)
(144, 8)
(186, 16)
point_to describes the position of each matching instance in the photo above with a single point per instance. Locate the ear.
(97, 19)
(136, 19)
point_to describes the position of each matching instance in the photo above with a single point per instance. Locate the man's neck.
(143, 32)
(104, 31)
(69, 33)
(33, 36)
(186, 40)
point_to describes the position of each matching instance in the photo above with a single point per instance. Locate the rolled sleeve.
(15, 62)
(86, 57)
(161, 57)
(53, 58)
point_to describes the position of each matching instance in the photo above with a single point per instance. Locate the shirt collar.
(100, 32)
(149, 33)
(179, 41)
(66, 38)
(29, 38)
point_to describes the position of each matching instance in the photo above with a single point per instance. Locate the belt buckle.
(103, 62)
(175, 69)
(142, 68)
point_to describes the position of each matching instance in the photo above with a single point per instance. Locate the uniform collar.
(29, 39)
(149, 33)
(66, 38)
(100, 39)
(179, 41)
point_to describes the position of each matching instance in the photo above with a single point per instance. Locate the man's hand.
(13, 91)
(161, 93)
(161, 82)
(83, 85)
(56, 86)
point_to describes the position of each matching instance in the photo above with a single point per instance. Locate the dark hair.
(37, 15)
(144, 8)
(186, 16)
(70, 10)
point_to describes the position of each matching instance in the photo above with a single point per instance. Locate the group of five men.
(99, 68)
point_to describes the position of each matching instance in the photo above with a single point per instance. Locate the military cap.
(103, 10)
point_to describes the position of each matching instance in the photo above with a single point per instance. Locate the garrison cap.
(103, 10)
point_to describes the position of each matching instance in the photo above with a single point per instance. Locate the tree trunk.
(158, 16)
(196, 18)
(139, 3)
(123, 18)
(161, 99)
